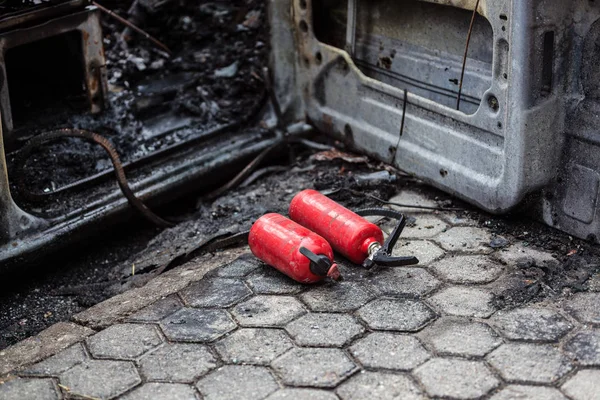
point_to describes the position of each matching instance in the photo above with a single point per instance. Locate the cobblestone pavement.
(244, 331)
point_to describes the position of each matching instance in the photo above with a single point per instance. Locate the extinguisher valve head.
(320, 264)
(334, 273)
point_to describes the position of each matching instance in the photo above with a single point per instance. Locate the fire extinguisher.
(292, 249)
(348, 232)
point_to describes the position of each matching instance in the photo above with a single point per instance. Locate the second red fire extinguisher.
(349, 233)
(292, 249)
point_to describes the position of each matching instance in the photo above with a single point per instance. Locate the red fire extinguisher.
(349, 233)
(292, 249)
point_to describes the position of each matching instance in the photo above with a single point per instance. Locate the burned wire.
(134, 27)
(391, 203)
(464, 63)
(114, 157)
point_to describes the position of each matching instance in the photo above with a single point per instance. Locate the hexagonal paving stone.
(253, 346)
(518, 253)
(531, 323)
(171, 391)
(412, 198)
(24, 388)
(323, 330)
(266, 311)
(529, 363)
(453, 336)
(467, 269)
(234, 382)
(270, 281)
(194, 325)
(422, 226)
(123, 341)
(464, 302)
(339, 297)
(584, 385)
(458, 218)
(459, 379)
(397, 315)
(59, 363)
(465, 240)
(585, 347)
(585, 307)
(522, 392)
(215, 292)
(302, 394)
(405, 282)
(100, 378)
(240, 267)
(179, 362)
(314, 367)
(424, 250)
(379, 386)
(158, 310)
(389, 351)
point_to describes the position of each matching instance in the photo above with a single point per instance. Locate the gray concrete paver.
(424, 226)
(239, 267)
(379, 386)
(396, 315)
(103, 379)
(532, 324)
(268, 280)
(267, 311)
(253, 346)
(460, 337)
(235, 382)
(585, 307)
(124, 341)
(215, 292)
(523, 392)
(158, 310)
(302, 394)
(529, 363)
(391, 351)
(456, 378)
(584, 385)
(404, 282)
(324, 329)
(58, 363)
(584, 347)
(520, 254)
(26, 388)
(465, 239)
(170, 391)
(412, 198)
(424, 250)
(467, 269)
(178, 362)
(339, 297)
(315, 367)
(464, 302)
(197, 325)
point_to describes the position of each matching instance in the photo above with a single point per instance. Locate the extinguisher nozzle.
(334, 273)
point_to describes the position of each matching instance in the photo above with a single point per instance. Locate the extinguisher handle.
(383, 257)
(319, 264)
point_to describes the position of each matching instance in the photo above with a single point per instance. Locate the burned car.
(494, 102)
